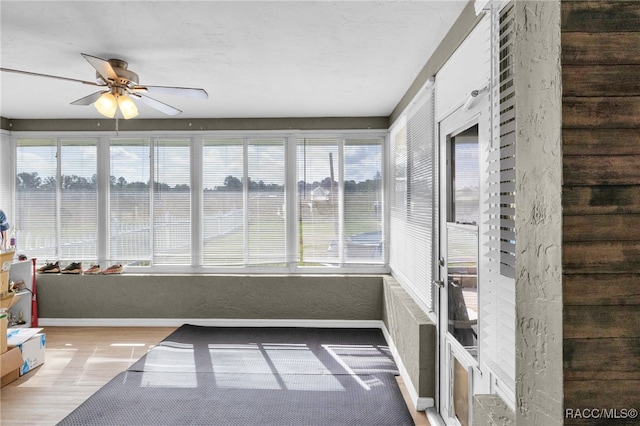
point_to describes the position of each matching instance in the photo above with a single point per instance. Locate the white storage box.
(33, 351)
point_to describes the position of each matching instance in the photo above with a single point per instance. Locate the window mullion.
(291, 213)
(58, 198)
(245, 199)
(197, 233)
(341, 200)
(103, 171)
(152, 178)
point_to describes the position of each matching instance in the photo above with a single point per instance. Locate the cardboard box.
(12, 376)
(32, 352)
(16, 336)
(4, 322)
(6, 259)
(10, 364)
(8, 300)
(4, 282)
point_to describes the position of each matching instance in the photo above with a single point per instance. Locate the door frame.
(448, 347)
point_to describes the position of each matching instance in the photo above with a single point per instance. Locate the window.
(56, 198)
(463, 211)
(340, 201)
(363, 201)
(318, 201)
(413, 218)
(129, 202)
(78, 200)
(465, 178)
(36, 198)
(223, 202)
(265, 181)
(203, 203)
(172, 202)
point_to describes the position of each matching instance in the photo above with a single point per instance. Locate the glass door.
(458, 293)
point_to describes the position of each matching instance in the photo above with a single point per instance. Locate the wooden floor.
(78, 361)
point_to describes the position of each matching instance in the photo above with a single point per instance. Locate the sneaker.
(115, 269)
(73, 268)
(93, 270)
(49, 268)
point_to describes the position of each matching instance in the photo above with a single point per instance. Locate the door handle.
(439, 283)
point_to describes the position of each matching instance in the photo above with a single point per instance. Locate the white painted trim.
(481, 6)
(420, 403)
(212, 322)
(434, 417)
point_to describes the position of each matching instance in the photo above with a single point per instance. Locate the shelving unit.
(22, 270)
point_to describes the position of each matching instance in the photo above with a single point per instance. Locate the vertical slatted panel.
(498, 290)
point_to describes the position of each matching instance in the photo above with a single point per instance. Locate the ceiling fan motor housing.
(126, 77)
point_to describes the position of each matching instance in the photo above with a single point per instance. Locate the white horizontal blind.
(222, 202)
(362, 200)
(319, 227)
(265, 192)
(78, 200)
(498, 298)
(36, 198)
(413, 199)
(172, 202)
(129, 201)
(241, 215)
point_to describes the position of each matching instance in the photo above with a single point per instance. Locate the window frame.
(290, 264)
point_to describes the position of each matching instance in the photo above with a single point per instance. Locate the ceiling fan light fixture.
(107, 105)
(127, 107)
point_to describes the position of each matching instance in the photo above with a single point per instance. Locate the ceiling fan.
(119, 88)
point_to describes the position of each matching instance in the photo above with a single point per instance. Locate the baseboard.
(213, 322)
(420, 403)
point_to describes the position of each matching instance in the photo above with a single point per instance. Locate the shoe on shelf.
(50, 268)
(93, 270)
(114, 269)
(73, 268)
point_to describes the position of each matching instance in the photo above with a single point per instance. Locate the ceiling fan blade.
(160, 106)
(88, 100)
(103, 67)
(91, 83)
(190, 92)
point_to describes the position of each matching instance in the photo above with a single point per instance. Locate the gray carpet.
(254, 376)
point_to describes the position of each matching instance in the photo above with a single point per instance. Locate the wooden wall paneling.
(602, 112)
(601, 289)
(586, 170)
(584, 360)
(601, 227)
(600, 16)
(589, 141)
(601, 48)
(608, 257)
(601, 322)
(601, 80)
(601, 205)
(602, 394)
(600, 199)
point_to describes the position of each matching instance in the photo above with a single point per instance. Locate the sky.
(266, 162)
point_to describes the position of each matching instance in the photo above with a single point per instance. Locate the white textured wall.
(539, 215)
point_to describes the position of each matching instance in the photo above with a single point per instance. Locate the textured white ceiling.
(256, 59)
